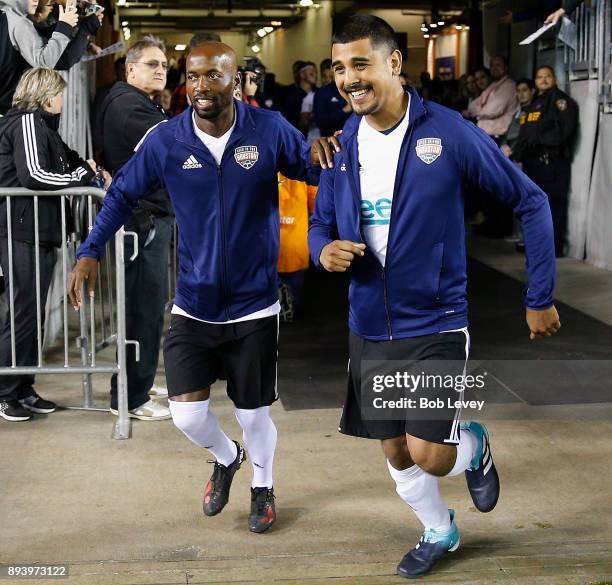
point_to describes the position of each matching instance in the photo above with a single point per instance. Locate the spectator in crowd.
(493, 110)
(164, 99)
(482, 77)
(545, 146)
(308, 123)
(96, 108)
(497, 103)
(472, 90)
(179, 98)
(32, 155)
(252, 76)
(525, 92)
(128, 113)
(329, 108)
(306, 73)
(21, 46)
(45, 21)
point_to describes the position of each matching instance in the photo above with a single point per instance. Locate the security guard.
(546, 138)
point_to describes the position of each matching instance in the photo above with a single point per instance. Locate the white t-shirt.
(307, 107)
(217, 147)
(378, 158)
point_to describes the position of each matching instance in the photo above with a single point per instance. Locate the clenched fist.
(338, 255)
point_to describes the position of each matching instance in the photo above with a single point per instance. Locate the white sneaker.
(158, 390)
(150, 410)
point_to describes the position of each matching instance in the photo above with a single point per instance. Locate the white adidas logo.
(192, 163)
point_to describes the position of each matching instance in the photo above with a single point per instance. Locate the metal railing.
(104, 313)
(592, 58)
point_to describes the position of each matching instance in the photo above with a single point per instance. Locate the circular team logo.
(246, 156)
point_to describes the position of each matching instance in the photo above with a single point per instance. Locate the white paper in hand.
(538, 33)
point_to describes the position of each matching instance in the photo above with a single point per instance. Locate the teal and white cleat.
(429, 550)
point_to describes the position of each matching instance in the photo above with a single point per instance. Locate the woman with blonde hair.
(32, 155)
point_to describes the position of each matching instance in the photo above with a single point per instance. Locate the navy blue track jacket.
(422, 288)
(227, 215)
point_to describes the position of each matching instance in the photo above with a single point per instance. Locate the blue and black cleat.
(481, 477)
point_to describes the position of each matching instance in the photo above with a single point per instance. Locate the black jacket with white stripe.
(32, 155)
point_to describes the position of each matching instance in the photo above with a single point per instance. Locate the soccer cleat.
(34, 403)
(481, 477)
(432, 546)
(263, 510)
(216, 492)
(13, 411)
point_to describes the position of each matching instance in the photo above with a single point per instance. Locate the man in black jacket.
(545, 146)
(32, 155)
(127, 114)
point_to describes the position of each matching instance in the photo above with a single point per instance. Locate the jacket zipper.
(406, 140)
(223, 244)
(387, 313)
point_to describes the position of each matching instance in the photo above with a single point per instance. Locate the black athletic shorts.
(195, 353)
(438, 346)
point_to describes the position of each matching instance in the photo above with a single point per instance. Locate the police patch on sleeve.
(246, 156)
(561, 105)
(428, 149)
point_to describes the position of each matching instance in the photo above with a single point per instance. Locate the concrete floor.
(129, 512)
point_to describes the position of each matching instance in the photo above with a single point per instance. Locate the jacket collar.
(244, 123)
(417, 109)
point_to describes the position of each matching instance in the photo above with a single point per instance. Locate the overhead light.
(268, 29)
(458, 27)
(434, 36)
(433, 25)
(425, 36)
(261, 33)
(121, 3)
(255, 48)
(306, 3)
(440, 23)
(180, 47)
(466, 27)
(424, 27)
(276, 23)
(125, 23)
(127, 34)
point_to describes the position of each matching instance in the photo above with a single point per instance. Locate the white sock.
(466, 449)
(201, 427)
(421, 492)
(259, 434)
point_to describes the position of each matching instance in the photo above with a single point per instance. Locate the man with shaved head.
(218, 160)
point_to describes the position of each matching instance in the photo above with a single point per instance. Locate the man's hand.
(338, 255)
(555, 16)
(107, 178)
(543, 323)
(85, 269)
(322, 151)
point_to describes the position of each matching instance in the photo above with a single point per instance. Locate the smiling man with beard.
(219, 161)
(390, 210)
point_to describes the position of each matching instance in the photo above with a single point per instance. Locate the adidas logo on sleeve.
(192, 163)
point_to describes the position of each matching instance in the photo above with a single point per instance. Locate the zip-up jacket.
(32, 155)
(422, 288)
(227, 214)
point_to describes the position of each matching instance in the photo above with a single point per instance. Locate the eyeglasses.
(153, 64)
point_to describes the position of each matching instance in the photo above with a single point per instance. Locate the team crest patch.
(246, 156)
(428, 149)
(561, 105)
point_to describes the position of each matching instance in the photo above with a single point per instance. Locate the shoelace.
(262, 500)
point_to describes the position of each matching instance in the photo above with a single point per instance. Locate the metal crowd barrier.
(101, 323)
(592, 58)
